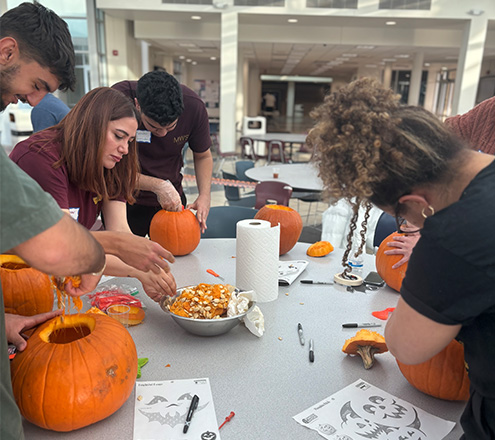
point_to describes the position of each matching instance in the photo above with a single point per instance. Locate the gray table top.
(267, 380)
(303, 176)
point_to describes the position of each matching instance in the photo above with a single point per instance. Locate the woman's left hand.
(158, 285)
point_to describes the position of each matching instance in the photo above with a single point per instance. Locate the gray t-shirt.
(25, 211)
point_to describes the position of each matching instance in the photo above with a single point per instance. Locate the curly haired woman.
(371, 149)
(88, 163)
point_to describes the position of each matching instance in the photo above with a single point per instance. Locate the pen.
(192, 408)
(311, 351)
(363, 324)
(315, 282)
(301, 335)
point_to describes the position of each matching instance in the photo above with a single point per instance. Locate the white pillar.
(94, 74)
(145, 57)
(228, 80)
(415, 83)
(291, 98)
(469, 65)
(387, 75)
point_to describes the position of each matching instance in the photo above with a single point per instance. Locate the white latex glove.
(167, 195)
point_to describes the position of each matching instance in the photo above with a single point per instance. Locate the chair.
(271, 191)
(384, 227)
(247, 148)
(221, 156)
(241, 166)
(280, 156)
(232, 193)
(222, 220)
(308, 197)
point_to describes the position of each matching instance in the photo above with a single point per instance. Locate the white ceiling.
(297, 54)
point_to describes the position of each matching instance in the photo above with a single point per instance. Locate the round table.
(300, 176)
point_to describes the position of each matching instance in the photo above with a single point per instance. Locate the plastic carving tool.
(211, 272)
(227, 419)
(383, 314)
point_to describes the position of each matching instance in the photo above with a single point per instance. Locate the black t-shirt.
(451, 276)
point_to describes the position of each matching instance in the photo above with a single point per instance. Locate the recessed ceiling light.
(188, 60)
(365, 46)
(182, 57)
(403, 55)
(444, 68)
(195, 17)
(194, 63)
(187, 45)
(389, 60)
(391, 23)
(427, 64)
(213, 58)
(292, 20)
(349, 55)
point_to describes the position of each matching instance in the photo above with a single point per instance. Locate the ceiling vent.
(333, 4)
(405, 4)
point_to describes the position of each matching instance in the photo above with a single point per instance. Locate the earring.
(430, 208)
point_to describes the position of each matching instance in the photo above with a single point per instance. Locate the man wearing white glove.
(171, 116)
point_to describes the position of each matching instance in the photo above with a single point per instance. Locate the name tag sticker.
(74, 213)
(143, 136)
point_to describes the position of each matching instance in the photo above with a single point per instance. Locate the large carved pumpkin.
(384, 263)
(26, 291)
(178, 232)
(443, 376)
(290, 224)
(74, 372)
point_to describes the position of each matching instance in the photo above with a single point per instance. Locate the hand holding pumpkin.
(88, 283)
(16, 324)
(403, 245)
(202, 207)
(167, 195)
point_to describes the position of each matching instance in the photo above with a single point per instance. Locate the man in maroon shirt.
(172, 115)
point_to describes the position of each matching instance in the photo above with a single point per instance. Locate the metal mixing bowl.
(203, 327)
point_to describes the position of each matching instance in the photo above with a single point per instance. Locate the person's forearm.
(117, 268)
(67, 248)
(148, 183)
(110, 241)
(203, 167)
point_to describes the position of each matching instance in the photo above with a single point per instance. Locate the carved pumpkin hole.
(69, 334)
(15, 266)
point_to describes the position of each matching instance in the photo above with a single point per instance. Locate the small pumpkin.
(74, 372)
(178, 232)
(443, 376)
(384, 263)
(290, 224)
(319, 249)
(26, 291)
(366, 344)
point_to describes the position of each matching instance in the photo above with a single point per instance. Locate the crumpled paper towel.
(254, 320)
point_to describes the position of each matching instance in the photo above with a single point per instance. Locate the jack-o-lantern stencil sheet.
(161, 409)
(363, 411)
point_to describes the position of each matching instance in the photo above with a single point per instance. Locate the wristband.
(100, 273)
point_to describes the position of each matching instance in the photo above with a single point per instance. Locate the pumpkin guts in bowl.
(207, 309)
(207, 301)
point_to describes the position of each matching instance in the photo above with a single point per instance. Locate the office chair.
(271, 191)
(222, 220)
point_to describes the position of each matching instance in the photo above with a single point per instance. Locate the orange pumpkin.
(26, 291)
(290, 224)
(319, 249)
(443, 376)
(384, 263)
(178, 232)
(74, 372)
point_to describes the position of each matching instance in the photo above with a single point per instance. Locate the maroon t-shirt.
(36, 158)
(162, 156)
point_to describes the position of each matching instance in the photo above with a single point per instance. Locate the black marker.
(357, 325)
(192, 408)
(311, 351)
(315, 282)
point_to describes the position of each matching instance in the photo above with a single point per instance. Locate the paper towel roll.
(257, 247)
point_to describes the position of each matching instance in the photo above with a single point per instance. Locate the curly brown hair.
(370, 148)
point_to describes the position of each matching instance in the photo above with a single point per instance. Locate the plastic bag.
(115, 295)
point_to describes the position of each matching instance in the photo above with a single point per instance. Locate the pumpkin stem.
(367, 353)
